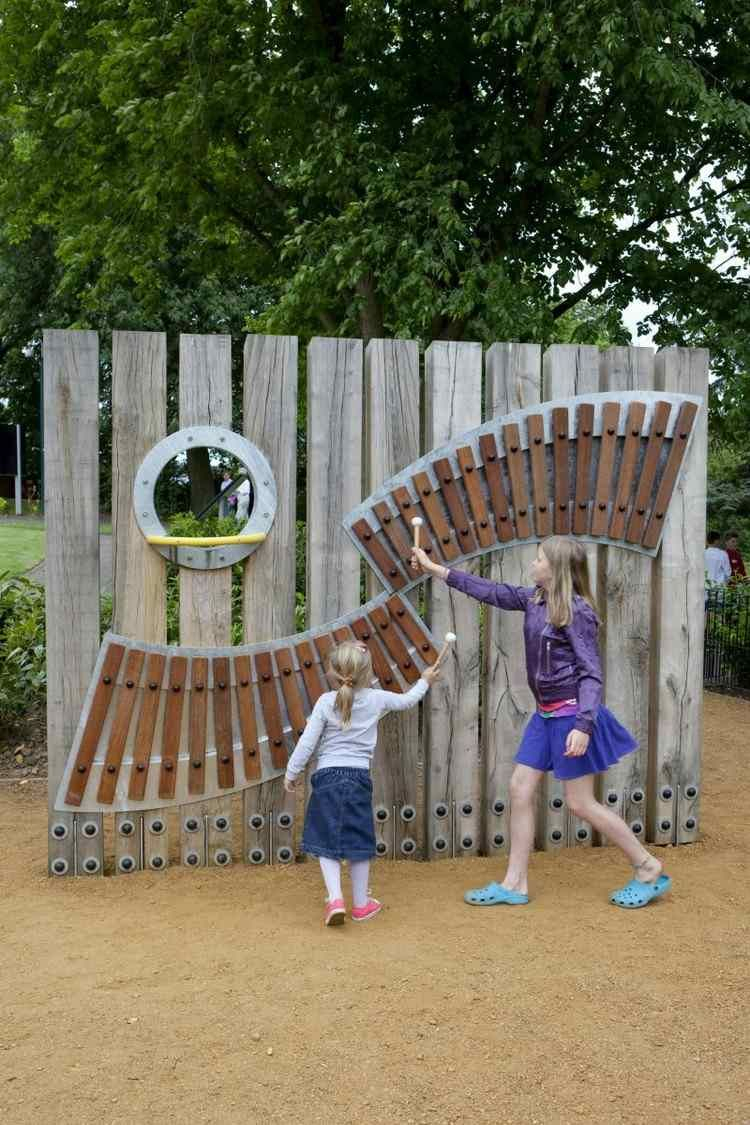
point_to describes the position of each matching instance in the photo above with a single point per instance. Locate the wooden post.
(270, 423)
(512, 382)
(334, 475)
(453, 378)
(71, 504)
(205, 596)
(624, 599)
(676, 731)
(569, 370)
(392, 443)
(139, 610)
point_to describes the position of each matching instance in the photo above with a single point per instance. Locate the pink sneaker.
(335, 913)
(369, 910)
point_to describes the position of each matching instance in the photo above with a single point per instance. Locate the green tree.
(427, 168)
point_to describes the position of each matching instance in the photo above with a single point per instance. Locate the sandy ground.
(218, 997)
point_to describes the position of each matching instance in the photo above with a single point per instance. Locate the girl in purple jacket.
(571, 733)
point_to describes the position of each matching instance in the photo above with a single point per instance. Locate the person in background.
(225, 508)
(244, 501)
(739, 574)
(718, 568)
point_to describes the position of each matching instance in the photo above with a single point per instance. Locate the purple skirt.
(543, 745)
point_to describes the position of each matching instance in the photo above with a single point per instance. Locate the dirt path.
(218, 997)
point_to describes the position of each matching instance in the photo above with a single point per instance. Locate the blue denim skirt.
(543, 745)
(338, 821)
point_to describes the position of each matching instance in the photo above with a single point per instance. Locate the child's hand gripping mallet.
(449, 640)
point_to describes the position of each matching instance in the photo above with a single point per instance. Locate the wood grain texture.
(677, 668)
(334, 474)
(453, 376)
(391, 399)
(71, 502)
(270, 398)
(512, 382)
(205, 596)
(139, 595)
(624, 597)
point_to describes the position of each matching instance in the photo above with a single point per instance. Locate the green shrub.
(23, 657)
(23, 673)
(4, 506)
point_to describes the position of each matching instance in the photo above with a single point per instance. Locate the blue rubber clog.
(636, 894)
(495, 895)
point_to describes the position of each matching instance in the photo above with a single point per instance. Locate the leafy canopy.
(416, 168)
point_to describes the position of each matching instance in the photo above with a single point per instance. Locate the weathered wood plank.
(676, 730)
(71, 502)
(270, 423)
(624, 598)
(139, 604)
(205, 596)
(513, 377)
(391, 443)
(334, 474)
(569, 370)
(453, 377)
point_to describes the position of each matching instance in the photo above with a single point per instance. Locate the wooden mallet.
(449, 639)
(416, 523)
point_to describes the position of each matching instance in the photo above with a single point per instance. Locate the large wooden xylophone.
(601, 468)
(166, 726)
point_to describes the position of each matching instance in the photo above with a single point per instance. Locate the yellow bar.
(219, 541)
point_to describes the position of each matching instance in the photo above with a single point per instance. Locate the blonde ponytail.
(350, 665)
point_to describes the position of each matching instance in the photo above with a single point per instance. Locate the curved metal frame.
(197, 437)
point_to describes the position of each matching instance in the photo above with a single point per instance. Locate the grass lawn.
(20, 547)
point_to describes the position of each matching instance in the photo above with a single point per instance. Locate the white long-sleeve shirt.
(355, 745)
(718, 566)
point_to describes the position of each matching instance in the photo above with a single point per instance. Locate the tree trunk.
(371, 313)
(202, 484)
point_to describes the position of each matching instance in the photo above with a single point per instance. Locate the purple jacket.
(561, 663)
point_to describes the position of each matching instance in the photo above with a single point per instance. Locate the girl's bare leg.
(580, 799)
(523, 787)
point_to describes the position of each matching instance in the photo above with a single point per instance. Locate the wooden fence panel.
(71, 504)
(512, 381)
(453, 378)
(392, 443)
(205, 596)
(334, 475)
(677, 669)
(139, 609)
(569, 370)
(624, 599)
(270, 423)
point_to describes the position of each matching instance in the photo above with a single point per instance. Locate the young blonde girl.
(571, 733)
(339, 817)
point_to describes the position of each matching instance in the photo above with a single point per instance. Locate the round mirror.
(205, 497)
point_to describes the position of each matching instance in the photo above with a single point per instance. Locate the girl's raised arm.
(499, 594)
(395, 701)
